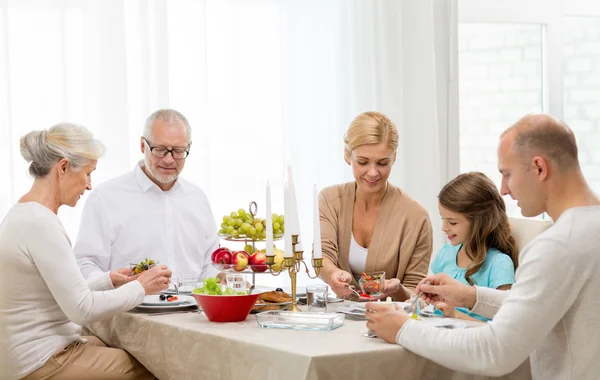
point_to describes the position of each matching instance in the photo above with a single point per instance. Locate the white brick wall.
(501, 81)
(498, 83)
(582, 92)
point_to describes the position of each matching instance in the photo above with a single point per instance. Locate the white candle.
(287, 234)
(292, 221)
(317, 252)
(269, 223)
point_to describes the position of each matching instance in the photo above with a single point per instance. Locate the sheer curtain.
(261, 81)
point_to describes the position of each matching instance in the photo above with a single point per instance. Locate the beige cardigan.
(402, 240)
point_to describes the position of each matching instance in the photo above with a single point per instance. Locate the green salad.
(213, 288)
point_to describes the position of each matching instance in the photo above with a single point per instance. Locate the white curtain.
(261, 81)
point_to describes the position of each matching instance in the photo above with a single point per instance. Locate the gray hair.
(65, 140)
(168, 115)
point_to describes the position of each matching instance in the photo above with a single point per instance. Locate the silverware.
(412, 304)
(357, 293)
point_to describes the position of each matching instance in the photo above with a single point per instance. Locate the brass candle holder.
(294, 265)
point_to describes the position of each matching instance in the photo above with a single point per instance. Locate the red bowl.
(226, 308)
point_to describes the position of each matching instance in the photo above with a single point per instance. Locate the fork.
(360, 296)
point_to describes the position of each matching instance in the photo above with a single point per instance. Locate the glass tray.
(276, 319)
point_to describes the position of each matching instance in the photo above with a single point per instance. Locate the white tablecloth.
(188, 346)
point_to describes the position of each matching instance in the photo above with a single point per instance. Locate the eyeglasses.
(176, 153)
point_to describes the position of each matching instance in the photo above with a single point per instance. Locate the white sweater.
(43, 295)
(552, 313)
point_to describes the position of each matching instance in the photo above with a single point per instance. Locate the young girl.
(482, 250)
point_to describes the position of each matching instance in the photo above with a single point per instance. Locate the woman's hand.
(339, 281)
(155, 279)
(122, 276)
(390, 287)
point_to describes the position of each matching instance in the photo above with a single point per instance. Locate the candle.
(287, 234)
(292, 221)
(269, 223)
(317, 252)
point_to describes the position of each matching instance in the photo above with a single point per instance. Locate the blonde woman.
(44, 297)
(370, 225)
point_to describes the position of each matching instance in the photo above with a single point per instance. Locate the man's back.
(570, 350)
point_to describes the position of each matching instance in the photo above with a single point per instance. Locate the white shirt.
(551, 314)
(358, 258)
(44, 297)
(130, 218)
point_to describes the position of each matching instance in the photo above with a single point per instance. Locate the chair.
(525, 230)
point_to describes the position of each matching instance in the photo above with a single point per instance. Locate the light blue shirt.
(497, 270)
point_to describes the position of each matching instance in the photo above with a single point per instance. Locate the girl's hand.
(448, 311)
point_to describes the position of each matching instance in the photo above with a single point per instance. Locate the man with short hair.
(551, 313)
(150, 212)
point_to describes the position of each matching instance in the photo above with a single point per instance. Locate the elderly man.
(551, 313)
(150, 212)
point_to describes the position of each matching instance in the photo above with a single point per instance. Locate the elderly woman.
(44, 297)
(370, 225)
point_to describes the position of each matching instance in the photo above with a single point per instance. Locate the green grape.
(252, 231)
(225, 218)
(241, 212)
(224, 225)
(245, 227)
(230, 230)
(233, 215)
(222, 231)
(231, 222)
(281, 219)
(259, 227)
(277, 232)
(276, 226)
(239, 222)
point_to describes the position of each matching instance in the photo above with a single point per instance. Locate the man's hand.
(155, 279)
(443, 288)
(385, 320)
(122, 276)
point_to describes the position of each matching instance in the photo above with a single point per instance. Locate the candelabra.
(294, 265)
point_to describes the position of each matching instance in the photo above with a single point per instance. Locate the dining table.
(182, 346)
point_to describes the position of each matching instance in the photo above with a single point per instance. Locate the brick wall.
(582, 92)
(500, 80)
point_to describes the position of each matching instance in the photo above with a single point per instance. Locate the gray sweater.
(552, 313)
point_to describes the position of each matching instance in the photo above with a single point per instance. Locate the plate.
(187, 305)
(348, 310)
(155, 301)
(361, 305)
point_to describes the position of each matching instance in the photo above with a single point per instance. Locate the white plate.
(361, 305)
(155, 301)
(351, 311)
(149, 309)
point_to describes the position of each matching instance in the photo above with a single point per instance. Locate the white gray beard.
(160, 178)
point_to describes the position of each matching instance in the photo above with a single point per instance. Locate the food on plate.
(272, 301)
(258, 262)
(241, 224)
(168, 298)
(142, 266)
(212, 287)
(221, 255)
(240, 260)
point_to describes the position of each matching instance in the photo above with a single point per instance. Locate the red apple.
(223, 257)
(240, 260)
(213, 257)
(258, 261)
